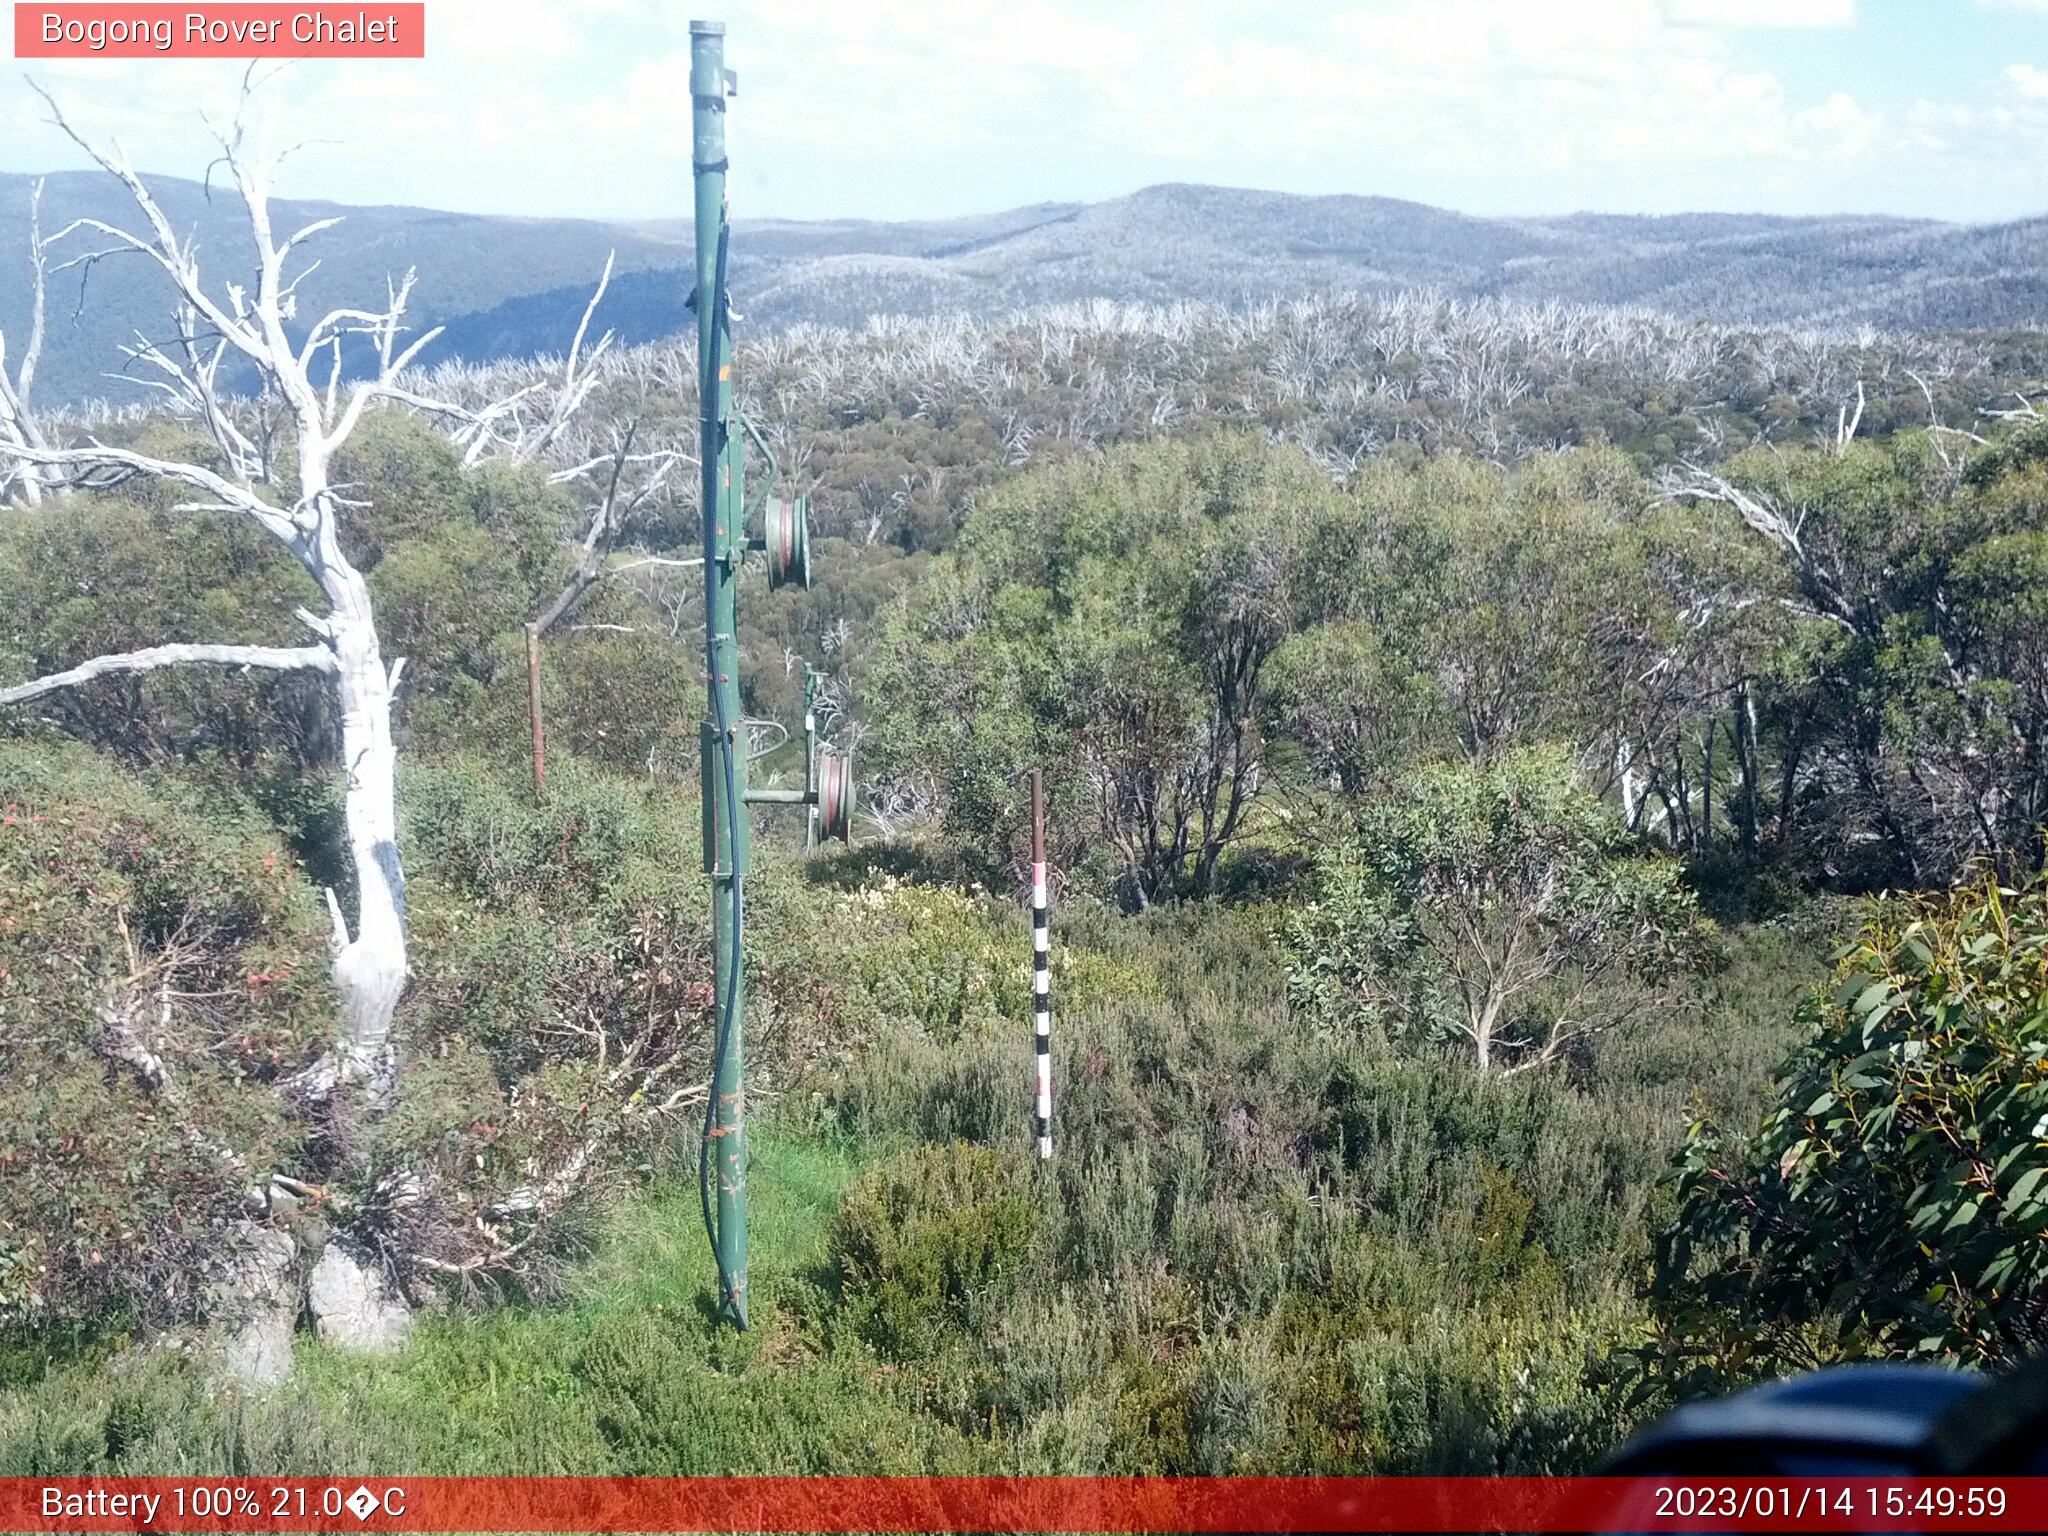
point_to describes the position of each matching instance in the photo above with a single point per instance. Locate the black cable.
(728, 1020)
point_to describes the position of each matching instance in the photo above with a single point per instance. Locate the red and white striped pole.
(1041, 966)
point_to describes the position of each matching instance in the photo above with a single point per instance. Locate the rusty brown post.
(540, 751)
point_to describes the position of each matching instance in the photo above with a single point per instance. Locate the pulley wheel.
(835, 795)
(787, 533)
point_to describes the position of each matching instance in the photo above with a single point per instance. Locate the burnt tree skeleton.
(17, 419)
(319, 416)
(288, 434)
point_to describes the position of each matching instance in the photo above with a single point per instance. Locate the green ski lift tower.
(828, 776)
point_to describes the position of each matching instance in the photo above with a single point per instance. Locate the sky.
(906, 109)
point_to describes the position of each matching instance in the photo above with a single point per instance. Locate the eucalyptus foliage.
(1895, 1200)
(1115, 619)
(1503, 908)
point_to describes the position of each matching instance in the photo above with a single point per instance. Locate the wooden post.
(811, 760)
(540, 751)
(1041, 963)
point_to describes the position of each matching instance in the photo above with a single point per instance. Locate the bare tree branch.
(99, 466)
(314, 658)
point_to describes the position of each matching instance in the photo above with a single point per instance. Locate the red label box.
(233, 31)
(399, 1506)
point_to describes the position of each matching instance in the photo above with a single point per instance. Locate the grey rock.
(260, 1309)
(354, 1304)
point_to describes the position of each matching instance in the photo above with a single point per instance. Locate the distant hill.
(514, 287)
(465, 263)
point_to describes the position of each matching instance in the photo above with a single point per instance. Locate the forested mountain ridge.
(463, 263)
(504, 285)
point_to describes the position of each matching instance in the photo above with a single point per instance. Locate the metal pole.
(724, 758)
(1041, 966)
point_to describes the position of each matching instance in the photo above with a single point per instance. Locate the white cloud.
(1992, 143)
(1839, 129)
(1766, 13)
(891, 108)
(1402, 96)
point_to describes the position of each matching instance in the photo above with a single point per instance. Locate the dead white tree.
(517, 426)
(1846, 423)
(2025, 411)
(1821, 582)
(17, 421)
(249, 322)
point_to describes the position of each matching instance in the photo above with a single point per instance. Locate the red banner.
(930, 1504)
(235, 31)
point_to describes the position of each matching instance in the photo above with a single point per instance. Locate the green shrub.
(89, 575)
(160, 967)
(1150, 1433)
(667, 1412)
(480, 831)
(1893, 1202)
(926, 1244)
(1503, 908)
(560, 1012)
(949, 962)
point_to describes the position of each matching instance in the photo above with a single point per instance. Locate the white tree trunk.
(17, 424)
(370, 965)
(1631, 782)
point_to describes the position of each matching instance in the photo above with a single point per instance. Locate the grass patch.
(521, 1389)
